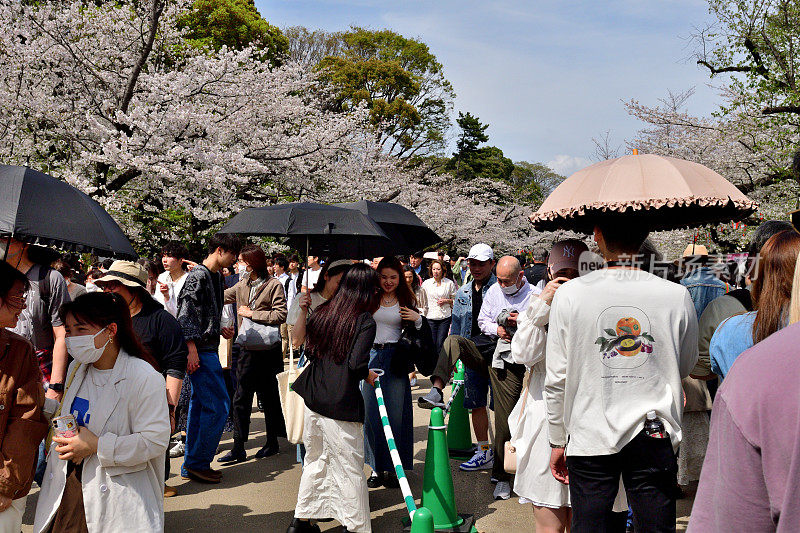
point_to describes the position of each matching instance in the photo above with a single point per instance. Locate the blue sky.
(546, 75)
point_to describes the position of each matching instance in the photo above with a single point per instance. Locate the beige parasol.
(662, 192)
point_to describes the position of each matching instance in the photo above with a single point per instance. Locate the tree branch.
(774, 110)
(155, 15)
(714, 70)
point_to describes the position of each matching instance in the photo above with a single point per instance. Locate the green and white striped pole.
(395, 455)
(457, 384)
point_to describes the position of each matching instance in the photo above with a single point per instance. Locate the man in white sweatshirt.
(619, 342)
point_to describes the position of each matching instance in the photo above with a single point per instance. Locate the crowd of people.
(604, 369)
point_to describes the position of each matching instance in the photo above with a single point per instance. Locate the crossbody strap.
(60, 404)
(525, 397)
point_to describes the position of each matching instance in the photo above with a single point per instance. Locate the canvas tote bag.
(292, 404)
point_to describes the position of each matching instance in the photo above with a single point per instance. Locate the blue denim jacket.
(462, 308)
(703, 286)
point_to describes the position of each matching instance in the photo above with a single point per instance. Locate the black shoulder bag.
(415, 348)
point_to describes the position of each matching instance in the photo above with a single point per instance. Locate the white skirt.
(333, 483)
(533, 482)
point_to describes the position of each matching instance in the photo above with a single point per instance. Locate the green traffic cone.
(459, 436)
(423, 521)
(438, 494)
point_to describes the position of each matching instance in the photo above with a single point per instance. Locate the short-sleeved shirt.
(37, 320)
(310, 277)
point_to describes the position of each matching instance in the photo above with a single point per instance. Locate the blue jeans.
(208, 409)
(440, 329)
(397, 398)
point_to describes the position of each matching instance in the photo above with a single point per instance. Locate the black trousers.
(256, 372)
(649, 473)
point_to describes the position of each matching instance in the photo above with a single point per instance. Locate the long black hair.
(104, 308)
(332, 326)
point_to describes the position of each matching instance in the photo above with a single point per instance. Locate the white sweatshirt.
(171, 303)
(619, 343)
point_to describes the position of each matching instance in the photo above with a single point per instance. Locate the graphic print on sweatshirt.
(624, 339)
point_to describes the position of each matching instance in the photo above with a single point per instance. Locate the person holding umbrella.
(260, 298)
(40, 322)
(620, 341)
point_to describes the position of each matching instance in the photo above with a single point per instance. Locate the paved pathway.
(259, 495)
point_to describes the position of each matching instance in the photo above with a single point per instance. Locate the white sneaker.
(178, 450)
(481, 460)
(502, 491)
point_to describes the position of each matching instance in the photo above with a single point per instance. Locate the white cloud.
(567, 164)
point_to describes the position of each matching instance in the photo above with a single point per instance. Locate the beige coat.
(269, 304)
(123, 483)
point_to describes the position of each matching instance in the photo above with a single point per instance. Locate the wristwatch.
(58, 387)
(562, 446)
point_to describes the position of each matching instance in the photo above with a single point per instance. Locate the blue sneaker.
(482, 460)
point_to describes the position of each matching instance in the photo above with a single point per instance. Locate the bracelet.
(558, 446)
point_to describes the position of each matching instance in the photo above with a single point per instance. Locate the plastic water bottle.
(654, 427)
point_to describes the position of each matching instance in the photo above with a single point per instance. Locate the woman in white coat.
(110, 476)
(533, 482)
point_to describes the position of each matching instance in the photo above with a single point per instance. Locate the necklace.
(389, 301)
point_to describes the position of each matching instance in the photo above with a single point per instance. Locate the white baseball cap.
(481, 252)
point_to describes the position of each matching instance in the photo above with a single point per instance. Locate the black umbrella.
(40, 209)
(407, 232)
(323, 229)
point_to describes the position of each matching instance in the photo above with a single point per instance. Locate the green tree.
(473, 133)
(470, 161)
(756, 45)
(536, 176)
(235, 24)
(399, 80)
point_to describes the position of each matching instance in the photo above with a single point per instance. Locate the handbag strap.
(524, 398)
(49, 439)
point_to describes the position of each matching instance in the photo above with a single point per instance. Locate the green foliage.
(236, 24)
(534, 181)
(470, 161)
(397, 78)
(757, 43)
(473, 133)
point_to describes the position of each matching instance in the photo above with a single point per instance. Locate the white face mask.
(83, 350)
(512, 290)
(241, 269)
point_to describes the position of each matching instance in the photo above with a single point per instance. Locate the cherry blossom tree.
(739, 147)
(111, 98)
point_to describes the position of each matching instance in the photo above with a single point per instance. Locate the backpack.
(286, 285)
(44, 285)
